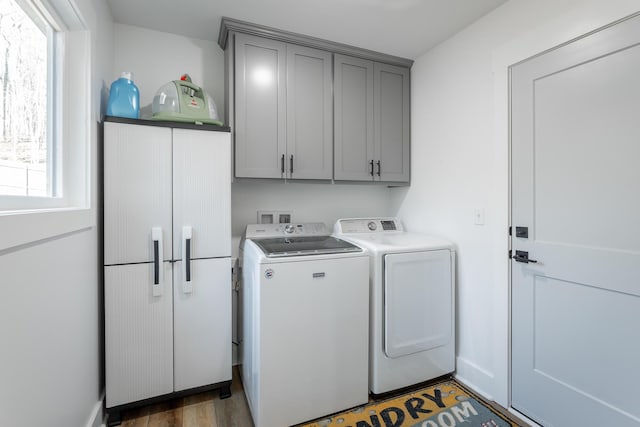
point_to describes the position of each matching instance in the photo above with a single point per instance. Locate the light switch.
(478, 216)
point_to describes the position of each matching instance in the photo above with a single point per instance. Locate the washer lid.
(298, 246)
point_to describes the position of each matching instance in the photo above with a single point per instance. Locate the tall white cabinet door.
(137, 192)
(201, 193)
(309, 114)
(138, 333)
(260, 100)
(391, 118)
(202, 322)
(353, 117)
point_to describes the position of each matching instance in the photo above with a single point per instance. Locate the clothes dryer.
(412, 297)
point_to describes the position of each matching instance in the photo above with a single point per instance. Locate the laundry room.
(496, 112)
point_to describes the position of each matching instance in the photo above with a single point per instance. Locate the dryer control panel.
(367, 225)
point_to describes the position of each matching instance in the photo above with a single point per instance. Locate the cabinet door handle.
(156, 237)
(291, 165)
(378, 163)
(371, 171)
(187, 235)
(282, 164)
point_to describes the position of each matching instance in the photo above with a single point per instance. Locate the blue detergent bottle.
(124, 98)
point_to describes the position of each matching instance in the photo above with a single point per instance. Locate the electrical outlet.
(267, 217)
(284, 217)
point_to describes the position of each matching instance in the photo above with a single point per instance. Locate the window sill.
(19, 228)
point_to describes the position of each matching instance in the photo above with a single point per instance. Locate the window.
(26, 148)
(46, 129)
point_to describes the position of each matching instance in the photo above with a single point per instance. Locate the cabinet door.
(353, 110)
(138, 333)
(260, 107)
(202, 323)
(391, 118)
(309, 114)
(137, 191)
(201, 193)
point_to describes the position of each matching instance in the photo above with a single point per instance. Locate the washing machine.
(412, 297)
(305, 323)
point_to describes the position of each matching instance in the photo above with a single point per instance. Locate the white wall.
(50, 310)
(460, 161)
(156, 58)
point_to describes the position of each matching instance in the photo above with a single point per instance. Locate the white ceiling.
(405, 28)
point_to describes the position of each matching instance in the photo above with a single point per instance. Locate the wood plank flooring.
(200, 410)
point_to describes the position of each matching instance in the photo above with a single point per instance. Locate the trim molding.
(96, 419)
(229, 25)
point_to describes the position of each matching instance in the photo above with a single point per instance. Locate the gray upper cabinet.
(391, 107)
(309, 113)
(353, 109)
(283, 110)
(371, 105)
(306, 108)
(260, 107)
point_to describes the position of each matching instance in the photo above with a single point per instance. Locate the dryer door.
(418, 302)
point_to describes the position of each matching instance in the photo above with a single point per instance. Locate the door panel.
(138, 334)
(201, 192)
(137, 192)
(418, 299)
(353, 110)
(309, 113)
(202, 323)
(260, 100)
(575, 312)
(391, 118)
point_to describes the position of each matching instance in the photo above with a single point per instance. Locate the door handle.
(378, 163)
(156, 237)
(291, 165)
(523, 256)
(371, 164)
(187, 234)
(282, 164)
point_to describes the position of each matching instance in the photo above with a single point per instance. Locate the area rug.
(445, 404)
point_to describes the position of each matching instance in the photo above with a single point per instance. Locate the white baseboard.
(96, 419)
(476, 378)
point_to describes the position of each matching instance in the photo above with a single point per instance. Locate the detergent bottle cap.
(127, 75)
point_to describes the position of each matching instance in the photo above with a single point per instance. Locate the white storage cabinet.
(167, 247)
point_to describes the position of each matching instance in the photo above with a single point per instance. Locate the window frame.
(28, 219)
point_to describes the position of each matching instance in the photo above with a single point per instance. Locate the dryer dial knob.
(289, 228)
(372, 226)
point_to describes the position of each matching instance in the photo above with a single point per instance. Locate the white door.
(576, 187)
(138, 333)
(201, 193)
(202, 322)
(137, 192)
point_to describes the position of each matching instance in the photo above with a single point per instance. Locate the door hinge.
(509, 230)
(510, 254)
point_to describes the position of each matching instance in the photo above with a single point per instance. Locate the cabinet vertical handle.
(282, 164)
(378, 163)
(187, 235)
(291, 165)
(371, 171)
(156, 237)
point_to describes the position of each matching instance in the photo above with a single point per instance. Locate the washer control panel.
(367, 225)
(283, 230)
